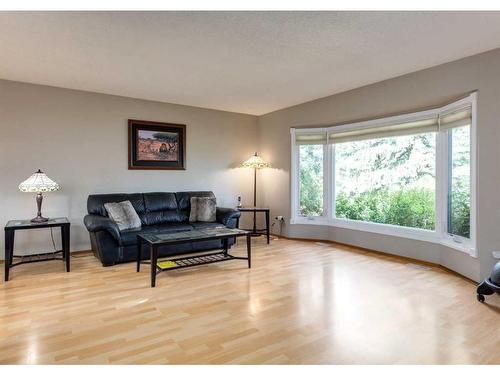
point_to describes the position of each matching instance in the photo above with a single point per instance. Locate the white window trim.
(439, 235)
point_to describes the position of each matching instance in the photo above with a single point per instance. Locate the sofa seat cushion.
(129, 237)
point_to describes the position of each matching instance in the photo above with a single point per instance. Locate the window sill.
(389, 230)
(463, 247)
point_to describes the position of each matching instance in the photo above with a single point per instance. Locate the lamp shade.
(38, 183)
(255, 162)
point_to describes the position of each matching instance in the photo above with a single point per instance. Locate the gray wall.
(80, 140)
(416, 90)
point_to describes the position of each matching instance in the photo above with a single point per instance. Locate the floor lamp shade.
(255, 162)
(38, 183)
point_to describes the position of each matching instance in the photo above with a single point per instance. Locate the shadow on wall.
(273, 195)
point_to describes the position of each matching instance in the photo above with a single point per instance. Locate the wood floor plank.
(302, 302)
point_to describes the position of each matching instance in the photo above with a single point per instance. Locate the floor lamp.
(255, 162)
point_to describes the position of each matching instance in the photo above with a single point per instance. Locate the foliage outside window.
(459, 188)
(387, 180)
(311, 180)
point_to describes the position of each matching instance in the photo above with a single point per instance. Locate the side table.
(10, 230)
(254, 231)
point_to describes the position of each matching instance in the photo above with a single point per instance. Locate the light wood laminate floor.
(302, 302)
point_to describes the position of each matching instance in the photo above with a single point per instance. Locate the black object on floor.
(490, 285)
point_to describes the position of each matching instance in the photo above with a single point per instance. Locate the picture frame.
(156, 145)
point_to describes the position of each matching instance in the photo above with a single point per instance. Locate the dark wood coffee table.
(161, 239)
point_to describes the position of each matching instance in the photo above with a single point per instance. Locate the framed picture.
(156, 145)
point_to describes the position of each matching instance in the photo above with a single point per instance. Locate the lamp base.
(39, 219)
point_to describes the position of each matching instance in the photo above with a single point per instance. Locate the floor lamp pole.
(254, 199)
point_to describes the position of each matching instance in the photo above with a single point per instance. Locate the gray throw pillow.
(193, 214)
(123, 214)
(203, 209)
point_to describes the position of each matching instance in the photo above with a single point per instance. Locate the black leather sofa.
(158, 212)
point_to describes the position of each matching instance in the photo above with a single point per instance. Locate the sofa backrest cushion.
(160, 208)
(95, 202)
(152, 208)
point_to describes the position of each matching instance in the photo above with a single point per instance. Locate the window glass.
(311, 180)
(459, 181)
(387, 180)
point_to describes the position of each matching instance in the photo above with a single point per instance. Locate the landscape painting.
(156, 145)
(153, 145)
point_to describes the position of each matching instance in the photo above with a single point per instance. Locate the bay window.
(410, 175)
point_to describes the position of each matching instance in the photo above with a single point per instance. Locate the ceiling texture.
(249, 62)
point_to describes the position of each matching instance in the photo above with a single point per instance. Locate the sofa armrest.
(96, 223)
(224, 215)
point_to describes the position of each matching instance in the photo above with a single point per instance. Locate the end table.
(10, 230)
(254, 232)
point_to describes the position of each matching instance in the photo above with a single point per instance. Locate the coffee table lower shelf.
(192, 261)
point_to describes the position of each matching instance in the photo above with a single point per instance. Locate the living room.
(329, 178)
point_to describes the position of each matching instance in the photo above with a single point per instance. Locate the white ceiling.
(250, 62)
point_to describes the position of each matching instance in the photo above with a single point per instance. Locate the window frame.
(439, 234)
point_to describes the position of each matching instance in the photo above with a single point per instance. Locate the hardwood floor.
(302, 302)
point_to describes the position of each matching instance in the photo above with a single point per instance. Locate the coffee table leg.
(154, 259)
(225, 245)
(9, 251)
(139, 253)
(267, 226)
(65, 234)
(249, 250)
